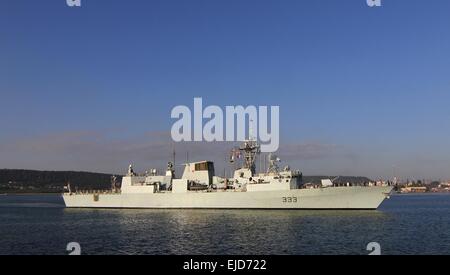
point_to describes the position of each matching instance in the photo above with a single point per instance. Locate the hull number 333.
(289, 199)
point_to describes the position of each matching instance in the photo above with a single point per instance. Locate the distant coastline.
(20, 181)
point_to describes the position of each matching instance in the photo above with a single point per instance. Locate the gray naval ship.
(199, 187)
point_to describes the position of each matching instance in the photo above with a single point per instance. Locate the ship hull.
(321, 198)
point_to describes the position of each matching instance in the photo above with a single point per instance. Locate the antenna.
(265, 162)
(173, 154)
(250, 131)
(260, 164)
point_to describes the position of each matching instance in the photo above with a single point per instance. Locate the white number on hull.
(289, 199)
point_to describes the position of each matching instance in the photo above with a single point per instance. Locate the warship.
(200, 188)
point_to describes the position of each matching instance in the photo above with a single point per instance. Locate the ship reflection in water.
(405, 224)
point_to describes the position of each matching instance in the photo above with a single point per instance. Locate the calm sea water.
(405, 224)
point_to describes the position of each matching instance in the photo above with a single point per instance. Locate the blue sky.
(361, 90)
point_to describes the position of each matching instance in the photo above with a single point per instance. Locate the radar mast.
(250, 149)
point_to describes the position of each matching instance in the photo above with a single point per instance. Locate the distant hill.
(31, 181)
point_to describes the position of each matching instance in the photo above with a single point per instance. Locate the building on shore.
(411, 189)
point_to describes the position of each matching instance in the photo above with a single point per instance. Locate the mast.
(173, 154)
(250, 149)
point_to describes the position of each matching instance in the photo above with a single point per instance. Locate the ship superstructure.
(199, 187)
